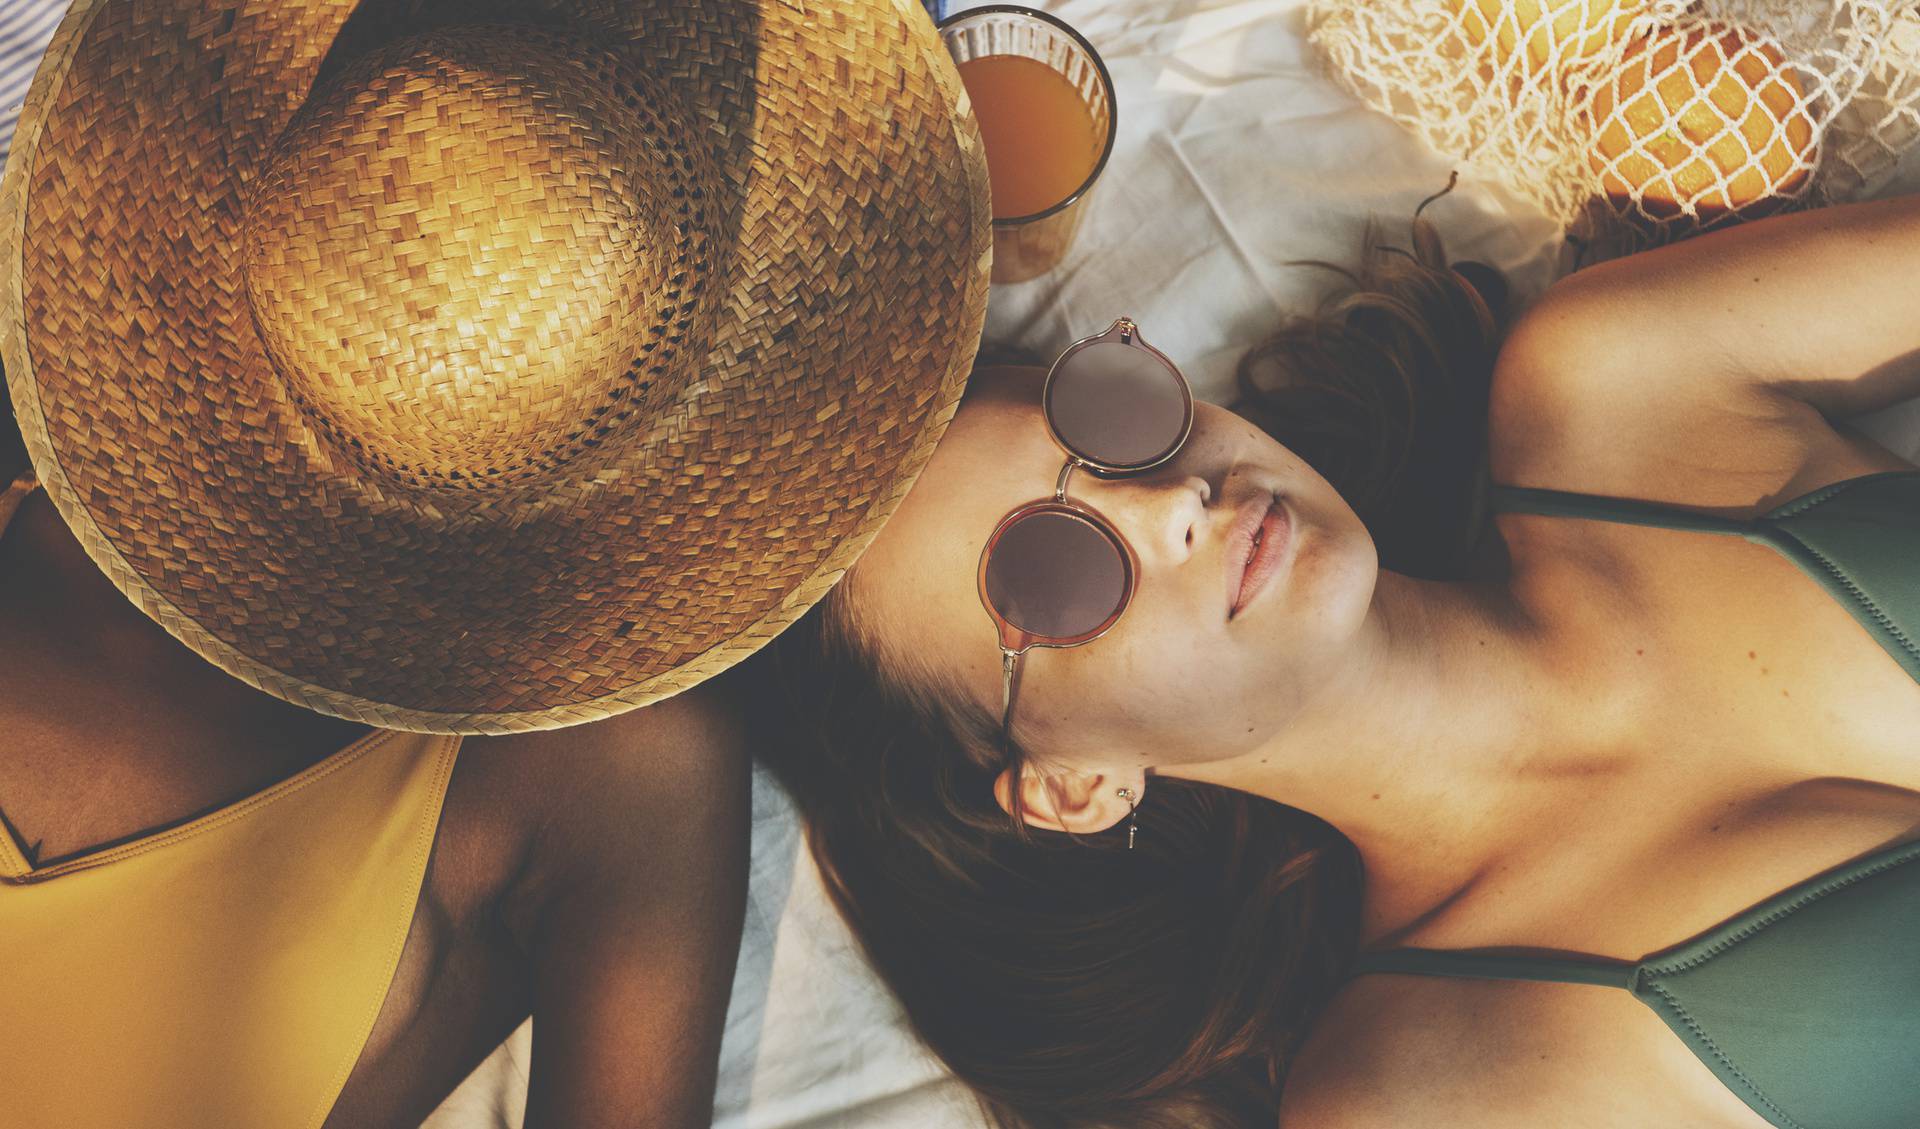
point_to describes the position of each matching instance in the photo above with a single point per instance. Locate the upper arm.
(1567, 412)
(1814, 305)
(640, 875)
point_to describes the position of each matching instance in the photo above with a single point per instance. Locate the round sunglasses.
(1055, 573)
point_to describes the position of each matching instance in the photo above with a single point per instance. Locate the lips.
(1261, 531)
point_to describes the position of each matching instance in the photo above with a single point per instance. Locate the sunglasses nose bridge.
(1066, 473)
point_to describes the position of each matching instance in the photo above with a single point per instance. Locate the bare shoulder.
(672, 746)
(1446, 1053)
(599, 797)
(1565, 413)
(627, 906)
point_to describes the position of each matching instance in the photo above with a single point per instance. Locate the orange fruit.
(1556, 29)
(1709, 114)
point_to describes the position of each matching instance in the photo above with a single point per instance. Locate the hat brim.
(852, 305)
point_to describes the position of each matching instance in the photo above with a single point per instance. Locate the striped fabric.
(26, 27)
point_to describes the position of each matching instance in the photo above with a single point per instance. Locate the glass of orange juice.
(1046, 111)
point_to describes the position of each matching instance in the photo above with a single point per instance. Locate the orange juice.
(1041, 143)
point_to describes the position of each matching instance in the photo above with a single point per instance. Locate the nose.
(1164, 517)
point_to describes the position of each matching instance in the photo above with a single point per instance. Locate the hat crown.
(476, 252)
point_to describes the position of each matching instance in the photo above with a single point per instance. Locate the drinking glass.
(1031, 243)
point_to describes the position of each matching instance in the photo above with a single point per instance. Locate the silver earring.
(1133, 814)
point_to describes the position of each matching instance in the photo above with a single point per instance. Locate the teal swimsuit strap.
(1536, 500)
(1479, 966)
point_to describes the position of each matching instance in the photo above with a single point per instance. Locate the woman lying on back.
(1677, 681)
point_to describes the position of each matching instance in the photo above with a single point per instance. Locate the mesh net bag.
(1635, 122)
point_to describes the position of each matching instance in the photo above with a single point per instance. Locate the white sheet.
(1235, 154)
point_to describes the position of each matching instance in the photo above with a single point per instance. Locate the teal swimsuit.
(1807, 1005)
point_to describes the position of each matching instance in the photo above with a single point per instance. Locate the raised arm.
(1819, 306)
(642, 879)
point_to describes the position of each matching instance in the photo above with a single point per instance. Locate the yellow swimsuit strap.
(25, 483)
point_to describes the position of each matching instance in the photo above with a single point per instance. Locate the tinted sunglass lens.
(1116, 404)
(1056, 575)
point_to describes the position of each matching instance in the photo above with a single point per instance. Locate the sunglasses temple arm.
(1009, 661)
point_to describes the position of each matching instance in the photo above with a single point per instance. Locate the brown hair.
(13, 448)
(1069, 981)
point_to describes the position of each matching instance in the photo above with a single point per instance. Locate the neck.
(80, 659)
(1440, 751)
(56, 600)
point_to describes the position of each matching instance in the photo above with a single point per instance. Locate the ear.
(1080, 802)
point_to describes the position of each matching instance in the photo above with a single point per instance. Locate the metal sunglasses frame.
(1015, 640)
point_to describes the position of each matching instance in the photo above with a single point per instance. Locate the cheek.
(1164, 691)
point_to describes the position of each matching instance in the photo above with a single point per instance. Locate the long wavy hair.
(1069, 981)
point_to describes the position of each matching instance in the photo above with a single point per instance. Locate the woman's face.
(1174, 681)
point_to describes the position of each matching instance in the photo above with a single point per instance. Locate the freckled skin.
(1174, 681)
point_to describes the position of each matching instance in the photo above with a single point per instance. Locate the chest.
(1772, 737)
(1722, 656)
(1730, 647)
(1769, 738)
(112, 734)
(458, 985)
(1766, 737)
(1466, 1054)
(1643, 863)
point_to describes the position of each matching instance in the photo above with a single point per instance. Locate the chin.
(1333, 579)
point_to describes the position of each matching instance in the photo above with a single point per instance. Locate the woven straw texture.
(1636, 122)
(480, 379)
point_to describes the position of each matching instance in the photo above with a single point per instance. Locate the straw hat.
(474, 378)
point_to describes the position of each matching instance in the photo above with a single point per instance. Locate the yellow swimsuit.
(225, 972)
